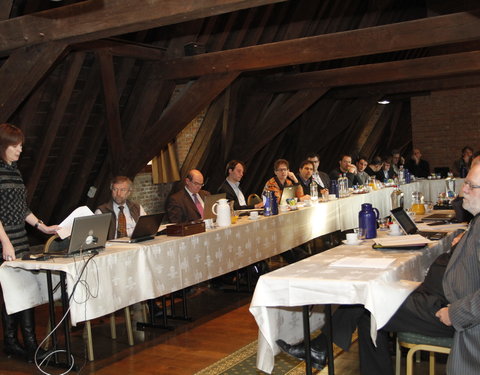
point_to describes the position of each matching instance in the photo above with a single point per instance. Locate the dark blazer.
(325, 180)
(181, 208)
(380, 176)
(306, 185)
(226, 188)
(106, 208)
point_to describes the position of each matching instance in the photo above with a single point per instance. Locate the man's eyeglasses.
(282, 170)
(197, 183)
(471, 186)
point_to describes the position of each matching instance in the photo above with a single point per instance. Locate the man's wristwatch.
(38, 223)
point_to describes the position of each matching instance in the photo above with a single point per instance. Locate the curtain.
(165, 166)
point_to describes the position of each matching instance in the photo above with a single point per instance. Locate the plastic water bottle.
(313, 191)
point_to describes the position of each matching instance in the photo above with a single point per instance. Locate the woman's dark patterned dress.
(13, 206)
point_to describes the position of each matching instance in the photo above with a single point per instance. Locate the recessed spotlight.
(384, 102)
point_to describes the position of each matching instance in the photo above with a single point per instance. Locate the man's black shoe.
(318, 351)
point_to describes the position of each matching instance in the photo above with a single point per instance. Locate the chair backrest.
(56, 244)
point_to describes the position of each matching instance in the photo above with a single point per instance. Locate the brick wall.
(152, 197)
(444, 122)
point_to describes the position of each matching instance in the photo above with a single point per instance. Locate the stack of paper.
(402, 241)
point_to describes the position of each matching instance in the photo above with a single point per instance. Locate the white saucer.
(395, 233)
(352, 244)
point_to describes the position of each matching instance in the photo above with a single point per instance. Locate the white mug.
(352, 238)
(253, 215)
(395, 228)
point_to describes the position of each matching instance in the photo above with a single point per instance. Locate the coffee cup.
(208, 223)
(395, 228)
(352, 238)
(253, 215)
(283, 208)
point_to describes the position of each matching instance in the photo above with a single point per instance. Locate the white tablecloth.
(128, 273)
(279, 295)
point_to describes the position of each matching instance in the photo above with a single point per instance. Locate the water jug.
(418, 204)
(267, 207)
(222, 209)
(367, 220)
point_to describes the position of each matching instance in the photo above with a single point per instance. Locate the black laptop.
(409, 226)
(145, 229)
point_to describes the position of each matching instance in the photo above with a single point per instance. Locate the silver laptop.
(88, 233)
(208, 203)
(288, 192)
(145, 229)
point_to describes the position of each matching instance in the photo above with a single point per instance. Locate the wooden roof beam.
(96, 19)
(425, 67)
(453, 28)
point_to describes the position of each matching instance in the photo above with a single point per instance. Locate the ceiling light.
(384, 102)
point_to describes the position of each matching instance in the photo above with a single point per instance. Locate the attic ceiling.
(100, 87)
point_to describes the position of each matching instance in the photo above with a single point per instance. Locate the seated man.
(346, 167)
(375, 166)
(321, 178)
(305, 178)
(362, 176)
(125, 213)
(284, 177)
(231, 186)
(416, 165)
(386, 172)
(446, 304)
(187, 204)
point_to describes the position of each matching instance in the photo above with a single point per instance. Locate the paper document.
(409, 240)
(355, 262)
(66, 225)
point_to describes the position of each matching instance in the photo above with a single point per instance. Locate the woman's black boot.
(27, 324)
(11, 346)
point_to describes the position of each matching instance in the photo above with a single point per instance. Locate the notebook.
(145, 229)
(409, 227)
(88, 233)
(442, 216)
(208, 203)
(288, 192)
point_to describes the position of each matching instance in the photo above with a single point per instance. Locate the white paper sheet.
(66, 225)
(357, 262)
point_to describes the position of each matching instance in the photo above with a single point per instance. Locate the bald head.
(194, 181)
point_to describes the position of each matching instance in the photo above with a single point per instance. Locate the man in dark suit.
(304, 177)
(187, 204)
(321, 178)
(231, 186)
(446, 304)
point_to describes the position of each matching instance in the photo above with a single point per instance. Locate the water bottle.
(401, 175)
(274, 204)
(267, 208)
(334, 188)
(407, 176)
(343, 186)
(313, 191)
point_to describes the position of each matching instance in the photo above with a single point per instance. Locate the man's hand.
(444, 316)
(292, 177)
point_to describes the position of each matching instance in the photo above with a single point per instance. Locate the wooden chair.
(56, 244)
(416, 342)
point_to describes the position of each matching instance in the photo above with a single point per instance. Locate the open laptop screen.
(288, 192)
(89, 232)
(404, 220)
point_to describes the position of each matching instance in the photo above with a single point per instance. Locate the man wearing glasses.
(125, 213)
(187, 204)
(446, 304)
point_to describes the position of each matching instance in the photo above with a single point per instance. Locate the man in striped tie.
(187, 204)
(125, 213)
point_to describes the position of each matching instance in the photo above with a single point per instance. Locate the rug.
(243, 362)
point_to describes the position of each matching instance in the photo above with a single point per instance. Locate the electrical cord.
(49, 355)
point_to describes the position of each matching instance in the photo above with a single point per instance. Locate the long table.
(279, 295)
(125, 274)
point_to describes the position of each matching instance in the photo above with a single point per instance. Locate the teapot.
(367, 221)
(222, 209)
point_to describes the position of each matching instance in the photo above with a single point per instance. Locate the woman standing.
(13, 237)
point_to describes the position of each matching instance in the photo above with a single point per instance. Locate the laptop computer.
(145, 229)
(409, 226)
(288, 192)
(208, 203)
(88, 233)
